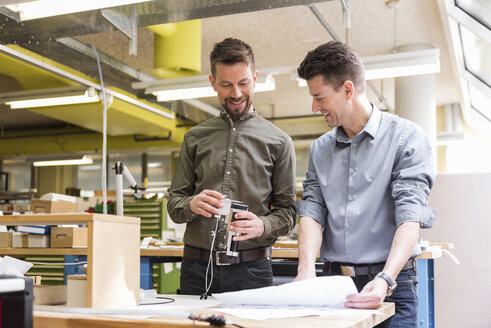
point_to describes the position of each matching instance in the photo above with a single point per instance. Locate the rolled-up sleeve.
(312, 203)
(413, 177)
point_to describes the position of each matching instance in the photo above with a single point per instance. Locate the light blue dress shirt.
(360, 190)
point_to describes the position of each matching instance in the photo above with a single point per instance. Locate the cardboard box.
(50, 295)
(5, 239)
(19, 240)
(37, 241)
(77, 290)
(6, 208)
(68, 237)
(21, 208)
(48, 206)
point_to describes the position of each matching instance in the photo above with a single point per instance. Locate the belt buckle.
(348, 270)
(217, 258)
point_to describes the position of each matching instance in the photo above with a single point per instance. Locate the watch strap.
(391, 283)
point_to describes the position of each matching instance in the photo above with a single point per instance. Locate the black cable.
(168, 300)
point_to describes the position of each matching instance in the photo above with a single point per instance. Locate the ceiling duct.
(177, 49)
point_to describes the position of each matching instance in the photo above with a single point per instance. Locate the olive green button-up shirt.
(252, 161)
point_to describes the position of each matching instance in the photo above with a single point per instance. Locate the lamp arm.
(121, 169)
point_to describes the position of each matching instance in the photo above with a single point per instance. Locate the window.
(477, 55)
(480, 102)
(469, 32)
(479, 10)
(19, 175)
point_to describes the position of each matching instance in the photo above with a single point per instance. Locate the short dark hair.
(229, 52)
(336, 62)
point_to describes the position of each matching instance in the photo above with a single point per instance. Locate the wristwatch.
(391, 283)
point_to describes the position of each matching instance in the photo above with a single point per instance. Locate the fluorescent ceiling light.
(47, 8)
(397, 65)
(74, 161)
(95, 167)
(198, 87)
(402, 64)
(49, 97)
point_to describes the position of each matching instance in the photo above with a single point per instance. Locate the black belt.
(221, 258)
(354, 270)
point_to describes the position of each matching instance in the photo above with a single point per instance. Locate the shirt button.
(228, 172)
(347, 225)
(354, 144)
(231, 150)
(350, 197)
(349, 255)
(234, 129)
(225, 196)
(352, 171)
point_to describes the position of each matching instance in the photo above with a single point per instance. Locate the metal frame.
(426, 293)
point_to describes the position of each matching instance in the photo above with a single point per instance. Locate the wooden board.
(65, 218)
(114, 264)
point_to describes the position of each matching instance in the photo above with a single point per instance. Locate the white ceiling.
(283, 36)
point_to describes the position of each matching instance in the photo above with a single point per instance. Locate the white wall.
(463, 292)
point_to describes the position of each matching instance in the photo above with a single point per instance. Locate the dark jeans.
(405, 297)
(226, 278)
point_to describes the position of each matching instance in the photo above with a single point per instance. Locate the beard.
(236, 113)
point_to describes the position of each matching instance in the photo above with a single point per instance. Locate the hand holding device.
(207, 203)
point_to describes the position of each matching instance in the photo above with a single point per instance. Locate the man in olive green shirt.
(239, 156)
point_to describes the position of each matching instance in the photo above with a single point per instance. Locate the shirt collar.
(247, 116)
(371, 126)
(373, 122)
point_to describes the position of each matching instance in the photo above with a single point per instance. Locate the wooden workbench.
(283, 253)
(177, 252)
(426, 307)
(352, 319)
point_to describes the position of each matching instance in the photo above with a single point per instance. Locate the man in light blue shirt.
(366, 191)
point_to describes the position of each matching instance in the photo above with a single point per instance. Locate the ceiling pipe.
(346, 18)
(324, 23)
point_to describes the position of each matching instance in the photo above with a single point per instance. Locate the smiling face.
(332, 104)
(234, 85)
